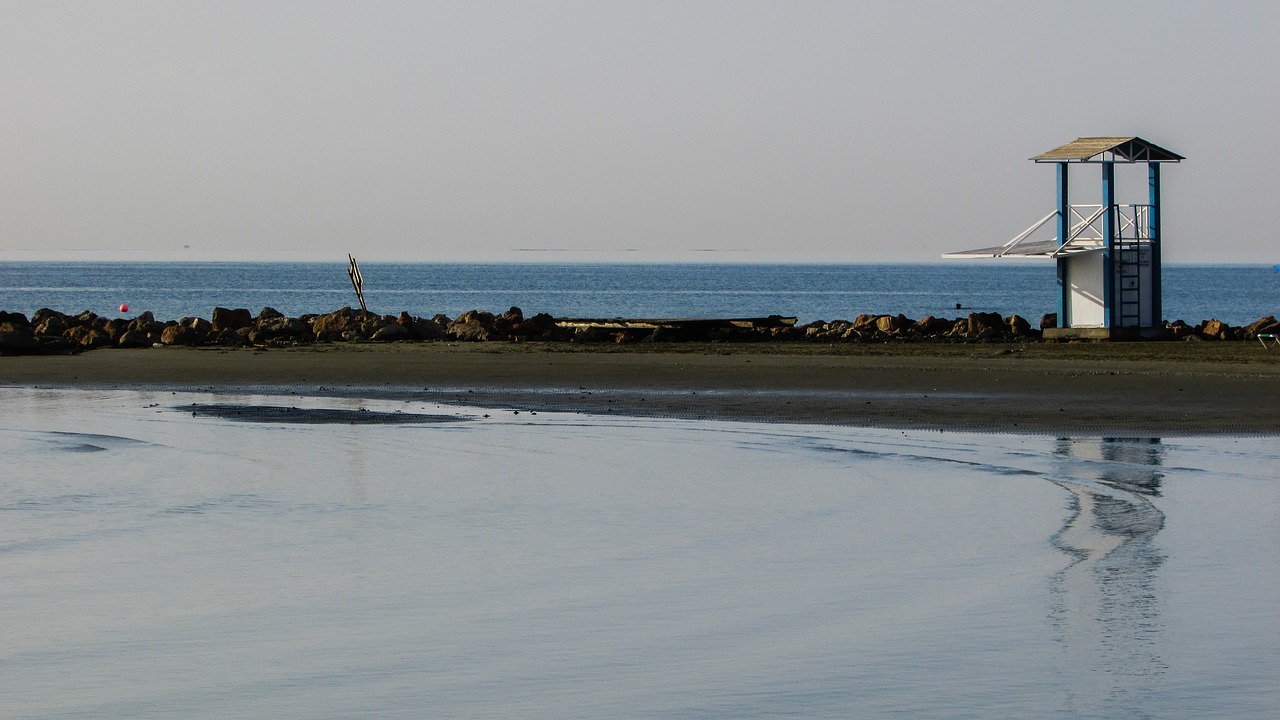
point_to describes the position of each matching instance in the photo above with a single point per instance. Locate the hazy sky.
(597, 130)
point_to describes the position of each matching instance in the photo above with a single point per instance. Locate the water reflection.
(1106, 604)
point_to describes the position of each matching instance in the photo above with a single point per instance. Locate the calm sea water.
(1234, 294)
(161, 562)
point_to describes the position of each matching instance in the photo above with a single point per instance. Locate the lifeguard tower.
(1108, 254)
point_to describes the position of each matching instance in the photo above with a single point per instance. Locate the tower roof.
(1108, 149)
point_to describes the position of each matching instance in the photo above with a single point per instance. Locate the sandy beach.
(1082, 388)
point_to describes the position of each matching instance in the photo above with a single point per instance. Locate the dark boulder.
(53, 325)
(44, 314)
(87, 337)
(135, 339)
(267, 313)
(226, 319)
(115, 328)
(146, 325)
(419, 328)
(18, 339)
(17, 319)
(540, 327)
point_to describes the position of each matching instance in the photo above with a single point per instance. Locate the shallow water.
(160, 563)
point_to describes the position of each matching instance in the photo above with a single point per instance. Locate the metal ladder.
(1129, 274)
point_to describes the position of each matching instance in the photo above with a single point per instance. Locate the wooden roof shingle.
(1117, 149)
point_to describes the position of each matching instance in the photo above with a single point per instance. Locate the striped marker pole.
(357, 282)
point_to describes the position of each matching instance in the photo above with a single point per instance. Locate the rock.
(1017, 326)
(1263, 326)
(391, 333)
(981, 326)
(372, 324)
(18, 339)
(52, 325)
(353, 336)
(146, 325)
(145, 322)
(893, 324)
(1049, 320)
(17, 319)
(419, 328)
(225, 319)
(474, 326)
(134, 339)
(539, 327)
(865, 323)
(929, 325)
(279, 327)
(230, 338)
(115, 329)
(179, 334)
(87, 337)
(332, 325)
(44, 314)
(197, 324)
(267, 313)
(1215, 330)
(507, 325)
(588, 335)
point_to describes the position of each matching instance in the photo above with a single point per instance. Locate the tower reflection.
(1106, 607)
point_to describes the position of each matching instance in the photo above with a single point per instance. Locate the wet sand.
(1122, 389)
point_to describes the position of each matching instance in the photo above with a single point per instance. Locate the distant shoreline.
(1107, 389)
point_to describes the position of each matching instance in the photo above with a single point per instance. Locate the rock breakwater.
(51, 332)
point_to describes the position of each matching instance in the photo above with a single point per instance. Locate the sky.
(615, 131)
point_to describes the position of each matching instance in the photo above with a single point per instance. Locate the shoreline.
(1113, 389)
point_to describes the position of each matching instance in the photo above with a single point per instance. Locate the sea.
(248, 554)
(199, 555)
(1234, 294)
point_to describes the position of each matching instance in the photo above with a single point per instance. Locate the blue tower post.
(1064, 229)
(1153, 193)
(1112, 316)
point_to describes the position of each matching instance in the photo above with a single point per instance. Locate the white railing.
(1133, 224)
(1004, 249)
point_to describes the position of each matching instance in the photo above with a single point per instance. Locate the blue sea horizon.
(1237, 294)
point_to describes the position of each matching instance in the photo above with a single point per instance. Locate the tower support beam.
(1109, 245)
(1153, 195)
